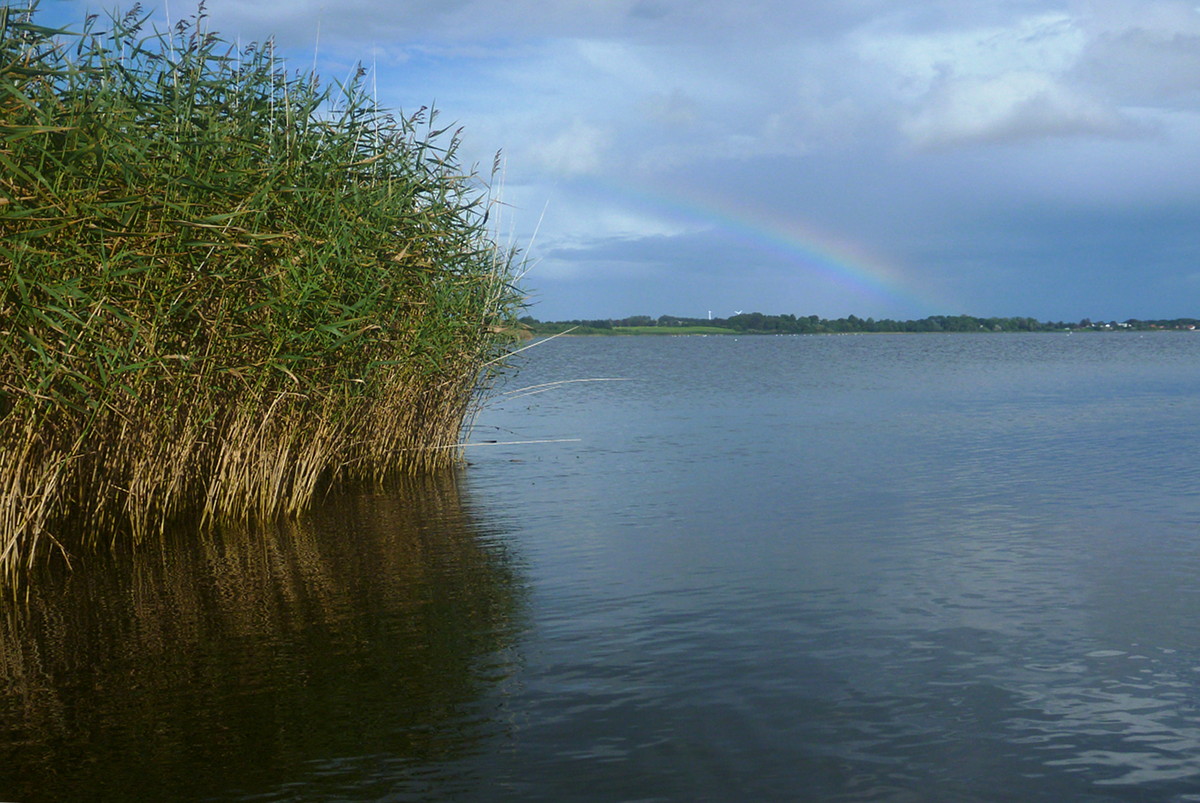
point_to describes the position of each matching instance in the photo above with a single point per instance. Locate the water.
(858, 568)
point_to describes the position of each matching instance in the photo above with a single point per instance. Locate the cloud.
(576, 150)
(1009, 108)
(1140, 66)
(655, 22)
(1048, 43)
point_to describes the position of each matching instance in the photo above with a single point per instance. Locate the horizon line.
(867, 318)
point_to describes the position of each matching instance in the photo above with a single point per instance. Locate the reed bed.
(222, 286)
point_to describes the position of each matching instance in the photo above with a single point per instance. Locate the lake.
(834, 568)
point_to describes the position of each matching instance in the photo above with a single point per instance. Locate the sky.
(883, 158)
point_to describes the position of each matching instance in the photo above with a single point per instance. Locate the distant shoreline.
(756, 323)
(625, 332)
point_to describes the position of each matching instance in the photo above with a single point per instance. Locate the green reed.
(222, 287)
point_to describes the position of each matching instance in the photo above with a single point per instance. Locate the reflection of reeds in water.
(232, 661)
(221, 288)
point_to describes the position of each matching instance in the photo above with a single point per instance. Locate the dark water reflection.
(343, 656)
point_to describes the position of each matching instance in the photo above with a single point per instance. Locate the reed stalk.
(222, 287)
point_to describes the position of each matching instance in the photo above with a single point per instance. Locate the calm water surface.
(856, 568)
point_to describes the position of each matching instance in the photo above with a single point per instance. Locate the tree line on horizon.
(760, 323)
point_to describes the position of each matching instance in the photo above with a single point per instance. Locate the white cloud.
(1046, 43)
(576, 150)
(1033, 77)
(1007, 108)
(675, 109)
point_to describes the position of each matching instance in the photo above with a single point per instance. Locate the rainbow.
(844, 265)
